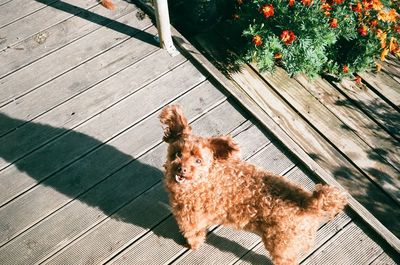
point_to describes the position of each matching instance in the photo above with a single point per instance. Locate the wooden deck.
(81, 154)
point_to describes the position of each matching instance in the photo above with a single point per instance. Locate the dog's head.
(190, 157)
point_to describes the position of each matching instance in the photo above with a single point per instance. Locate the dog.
(208, 184)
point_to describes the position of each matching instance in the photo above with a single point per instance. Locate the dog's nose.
(182, 170)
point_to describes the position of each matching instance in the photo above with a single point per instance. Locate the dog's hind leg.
(282, 253)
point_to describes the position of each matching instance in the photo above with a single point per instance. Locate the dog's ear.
(223, 147)
(176, 123)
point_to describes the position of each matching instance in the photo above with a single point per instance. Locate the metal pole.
(163, 26)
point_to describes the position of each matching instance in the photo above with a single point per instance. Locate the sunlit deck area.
(81, 150)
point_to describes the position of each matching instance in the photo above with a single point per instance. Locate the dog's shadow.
(127, 189)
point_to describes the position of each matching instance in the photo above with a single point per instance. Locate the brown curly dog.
(209, 184)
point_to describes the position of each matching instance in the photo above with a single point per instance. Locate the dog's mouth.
(180, 179)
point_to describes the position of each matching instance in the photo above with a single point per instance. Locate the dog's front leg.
(193, 228)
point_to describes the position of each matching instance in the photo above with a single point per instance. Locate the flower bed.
(338, 37)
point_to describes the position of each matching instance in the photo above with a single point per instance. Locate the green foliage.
(321, 36)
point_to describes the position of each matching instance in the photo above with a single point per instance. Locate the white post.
(163, 26)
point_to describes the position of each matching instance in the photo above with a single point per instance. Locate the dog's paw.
(195, 243)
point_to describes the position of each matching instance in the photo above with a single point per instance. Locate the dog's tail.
(327, 200)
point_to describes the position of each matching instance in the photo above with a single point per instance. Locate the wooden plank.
(17, 9)
(57, 36)
(349, 246)
(383, 145)
(109, 196)
(75, 178)
(385, 85)
(272, 159)
(78, 112)
(40, 20)
(139, 253)
(385, 259)
(2, 2)
(282, 128)
(21, 82)
(82, 78)
(393, 63)
(90, 247)
(327, 124)
(223, 246)
(372, 104)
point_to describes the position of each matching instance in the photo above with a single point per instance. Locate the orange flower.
(326, 7)
(373, 23)
(363, 30)
(381, 37)
(368, 4)
(338, 2)
(291, 3)
(392, 16)
(345, 69)
(382, 15)
(257, 40)
(384, 53)
(307, 2)
(358, 80)
(377, 5)
(333, 23)
(239, 2)
(287, 36)
(397, 28)
(267, 10)
(278, 56)
(393, 46)
(357, 8)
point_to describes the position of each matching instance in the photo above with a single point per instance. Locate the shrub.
(338, 37)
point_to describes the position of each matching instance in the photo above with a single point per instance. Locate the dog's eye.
(198, 161)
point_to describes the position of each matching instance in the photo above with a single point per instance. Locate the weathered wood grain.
(47, 41)
(82, 78)
(384, 259)
(349, 246)
(327, 124)
(383, 145)
(13, 10)
(373, 105)
(40, 20)
(78, 112)
(36, 203)
(2, 2)
(106, 198)
(27, 79)
(385, 85)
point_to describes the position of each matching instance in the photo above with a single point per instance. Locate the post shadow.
(102, 21)
(109, 193)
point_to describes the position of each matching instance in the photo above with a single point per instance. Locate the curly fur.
(208, 184)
